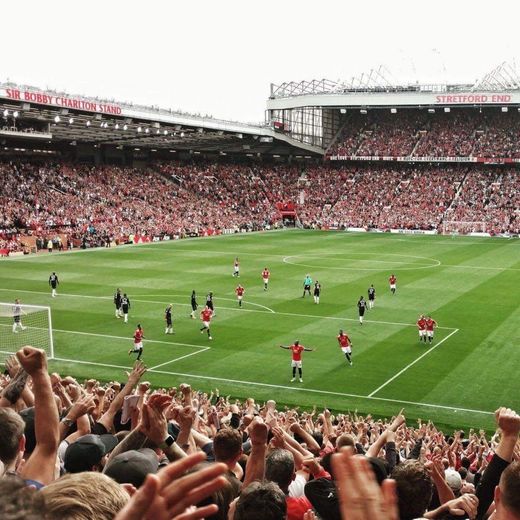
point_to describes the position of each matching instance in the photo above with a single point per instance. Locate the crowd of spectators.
(460, 133)
(88, 206)
(125, 451)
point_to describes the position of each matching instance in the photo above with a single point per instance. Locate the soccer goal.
(460, 227)
(22, 325)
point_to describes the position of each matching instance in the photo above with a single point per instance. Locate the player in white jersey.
(17, 316)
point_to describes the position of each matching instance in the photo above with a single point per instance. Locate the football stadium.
(297, 301)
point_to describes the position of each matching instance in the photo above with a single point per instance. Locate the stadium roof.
(29, 114)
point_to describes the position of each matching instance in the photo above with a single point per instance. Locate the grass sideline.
(467, 284)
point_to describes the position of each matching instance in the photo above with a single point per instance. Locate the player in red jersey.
(345, 345)
(296, 358)
(239, 291)
(265, 277)
(236, 268)
(431, 324)
(393, 283)
(138, 342)
(421, 325)
(206, 316)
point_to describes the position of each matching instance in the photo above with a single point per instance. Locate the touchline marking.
(279, 313)
(179, 358)
(413, 362)
(281, 387)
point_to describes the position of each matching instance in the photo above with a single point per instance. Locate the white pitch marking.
(293, 388)
(179, 358)
(413, 362)
(293, 314)
(215, 298)
(318, 255)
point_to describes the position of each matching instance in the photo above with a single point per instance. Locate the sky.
(219, 57)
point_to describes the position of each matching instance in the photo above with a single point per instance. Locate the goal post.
(22, 325)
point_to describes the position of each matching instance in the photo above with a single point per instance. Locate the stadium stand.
(300, 460)
(417, 133)
(85, 206)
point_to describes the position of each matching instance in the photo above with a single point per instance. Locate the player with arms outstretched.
(205, 317)
(431, 325)
(54, 282)
(296, 358)
(138, 342)
(393, 283)
(239, 291)
(345, 345)
(421, 326)
(265, 277)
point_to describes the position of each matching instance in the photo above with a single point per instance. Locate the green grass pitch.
(469, 285)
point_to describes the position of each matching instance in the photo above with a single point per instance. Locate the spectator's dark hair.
(227, 444)
(510, 488)
(279, 468)
(465, 463)
(326, 464)
(12, 427)
(261, 501)
(318, 437)
(221, 497)
(414, 489)
(463, 472)
(20, 502)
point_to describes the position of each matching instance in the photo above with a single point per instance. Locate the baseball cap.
(131, 467)
(88, 451)
(453, 479)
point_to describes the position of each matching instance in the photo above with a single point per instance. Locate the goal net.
(460, 227)
(22, 325)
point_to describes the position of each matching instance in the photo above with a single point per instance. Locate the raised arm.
(107, 419)
(41, 464)
(255, 467)
(509, 423)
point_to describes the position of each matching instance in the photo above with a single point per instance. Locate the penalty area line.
(174, 360)
(282, 387)
(402, 371)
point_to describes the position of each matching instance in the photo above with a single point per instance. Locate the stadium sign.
(428, 158)
(61, 101)
(473, 98)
